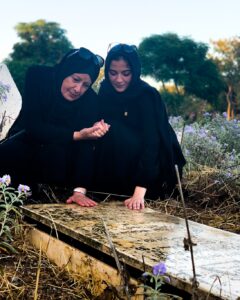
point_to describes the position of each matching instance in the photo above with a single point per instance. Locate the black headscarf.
(129, 53)
(73, 62)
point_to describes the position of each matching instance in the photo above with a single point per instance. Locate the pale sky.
(96, 23)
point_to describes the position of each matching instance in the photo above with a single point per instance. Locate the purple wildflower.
(228, 174)
(6, 179)
(202, 133)
(224, 114)
(207, 114)
(159, 269)
(189, 129)
(24, 189)
(213, 138)
(167, 279)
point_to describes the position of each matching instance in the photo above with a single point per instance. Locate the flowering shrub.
(227, 131)
(9, 200)
(213, 143)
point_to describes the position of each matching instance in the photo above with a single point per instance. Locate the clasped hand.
(98, 130)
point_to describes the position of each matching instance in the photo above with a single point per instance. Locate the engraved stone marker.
(10, 101)
(158, 237)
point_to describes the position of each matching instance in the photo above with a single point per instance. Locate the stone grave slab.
(10, 100)
(157, 237)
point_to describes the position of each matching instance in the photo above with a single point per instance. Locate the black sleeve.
(38, 90)
(148, 167)
(160, 147)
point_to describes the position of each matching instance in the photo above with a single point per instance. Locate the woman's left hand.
(135, 202)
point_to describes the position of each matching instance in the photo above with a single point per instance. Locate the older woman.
(52, 140)
(138, 154)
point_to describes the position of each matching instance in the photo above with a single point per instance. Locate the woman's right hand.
(98, 130)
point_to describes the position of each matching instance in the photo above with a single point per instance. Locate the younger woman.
(138, 154)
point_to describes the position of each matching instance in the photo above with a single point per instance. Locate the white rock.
(9, 108)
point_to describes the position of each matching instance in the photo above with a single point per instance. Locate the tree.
(227, 56)
(168, 58)
(41, 43)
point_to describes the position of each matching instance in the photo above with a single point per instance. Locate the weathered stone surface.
(158, 237)
(9, 105)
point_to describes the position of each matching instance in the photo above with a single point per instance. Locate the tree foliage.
(169, 58)
(227, 56)
(189, 107)
(41, 42)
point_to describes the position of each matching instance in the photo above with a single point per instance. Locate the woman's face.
(120, 74)
(75, 85)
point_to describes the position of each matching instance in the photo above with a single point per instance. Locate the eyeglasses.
(122, 47)
(88, 55)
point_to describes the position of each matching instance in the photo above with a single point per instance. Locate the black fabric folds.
(141, 148)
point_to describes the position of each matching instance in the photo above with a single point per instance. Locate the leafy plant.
(10, 199)
(156, 279)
